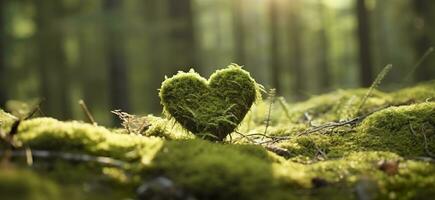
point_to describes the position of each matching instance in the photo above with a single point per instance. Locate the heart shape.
(209, 108)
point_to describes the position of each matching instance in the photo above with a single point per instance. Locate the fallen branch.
(278, 150)
(65, 156)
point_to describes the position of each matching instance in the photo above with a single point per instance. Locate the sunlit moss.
(208, 170)
(421, 93)
(50, 134)
(211, 109)
(6, 118)
(400, 129)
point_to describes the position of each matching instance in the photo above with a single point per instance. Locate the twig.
(278, 150)
(132, 123)
(145, 125)
(321, 152)
(31, 113)
(29, 157)
(246, 137)
(87, 112)
(332, 125)
(67, 156)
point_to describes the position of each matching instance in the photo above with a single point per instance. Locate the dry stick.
(333, 125)
(278, 150)
(244, 136)
(144, 126)
(9, 138)
(321, 152)
(67, 156)
(330, 125)
(29, 157)
(374, 85)
(87, 112)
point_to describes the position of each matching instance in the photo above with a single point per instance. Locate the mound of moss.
(387, 155)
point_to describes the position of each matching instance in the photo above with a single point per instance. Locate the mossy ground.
(344, 163)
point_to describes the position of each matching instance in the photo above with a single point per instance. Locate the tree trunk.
(53, 71)
(3, 84)
(182, 33)
(325, 77)
(425, 38)
(275, 47)
(297, 51)
(366, 70)
(118, 72)
(239, 32)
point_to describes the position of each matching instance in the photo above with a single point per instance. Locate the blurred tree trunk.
(382, 26)
(182, 34)
(158, 48)
(118, 80)
(297, 50)
(275, 47)
(3, 84)
(425, 26)
(53, 70)
(239, 32)
(325, 76)
(366, 70)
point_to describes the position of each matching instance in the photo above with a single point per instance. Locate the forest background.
(114, 54)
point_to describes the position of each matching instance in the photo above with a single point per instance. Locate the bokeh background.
(114, 54)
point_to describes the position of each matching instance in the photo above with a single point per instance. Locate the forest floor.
(326, 147)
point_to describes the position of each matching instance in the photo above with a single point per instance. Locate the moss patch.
(25, 185)
(349, 165)
(211, 109)
(222, 171)
(400, 130)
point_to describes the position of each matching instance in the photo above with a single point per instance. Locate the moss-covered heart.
(211, 109)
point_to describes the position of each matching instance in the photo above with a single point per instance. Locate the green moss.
(416, 94)
(390, 130)
(6, 118)
(338, 105)
(208, 170)
(216, 171)
(211, 109)
(25, 185)
(165, 128)
(50, 134)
